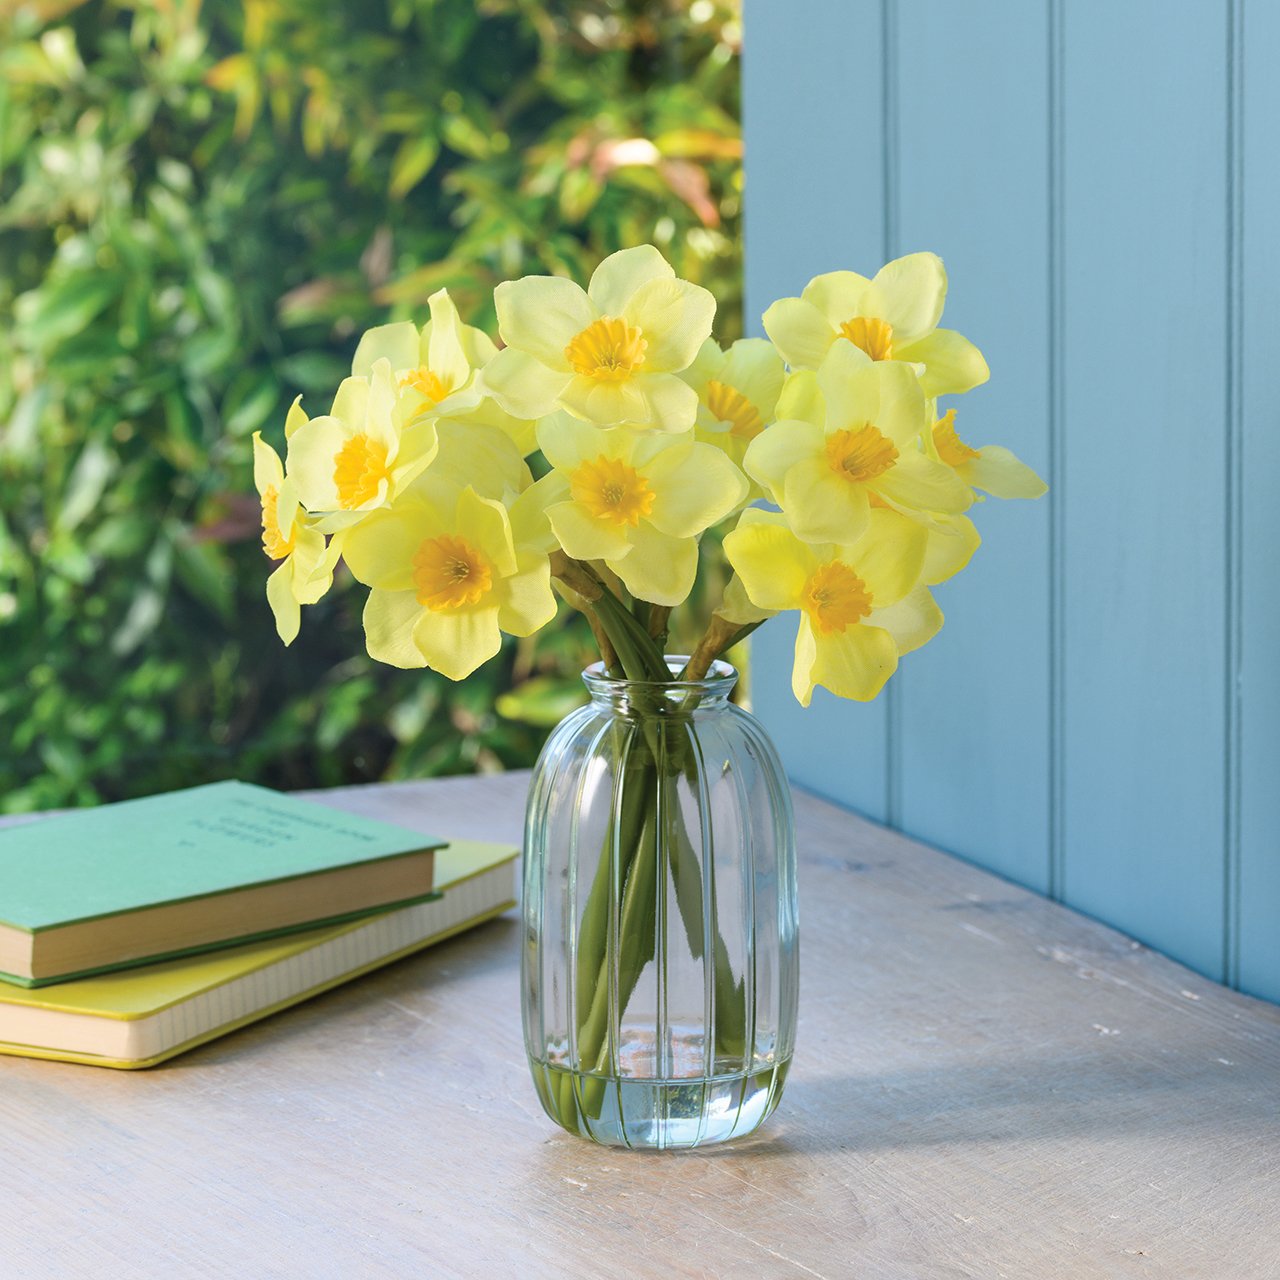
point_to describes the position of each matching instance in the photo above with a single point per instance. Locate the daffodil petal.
(912, 622)
(389, 620)
(806, 653)
(952, 542)
(801, 398)
(911, 292)
(268, 470)
(351, 401)
(839, 295)
(295, 418)
(522, 385)
(658, 567)
(822, 506)
(1002, 474)
(800, 331)
(779, 448)
(890, 556)
(585, 538)
(952, 363)
(658, 400)
(772, 563)
(568, 441)
(455, 642)
(736, 606)
(311, 461)
(754, 367)
(851, 383)
(902, 415)
(284, 605)
(527, 601)
(312, 566)
(379, 550)
(854, 663)
(446, 357)
(396, 343)
(675, 318)
(541, 315)
(530, 527)
(484, 523)
(921, 484)
(693, 489)
(618, 277)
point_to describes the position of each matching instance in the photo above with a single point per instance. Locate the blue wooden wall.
(1100, 717)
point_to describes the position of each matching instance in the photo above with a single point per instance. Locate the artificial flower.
(636, 501)
(357, 457)
(893, 316)
(991, 468)
(446, 578)
(305, 569)
(610, 355)
(861, 605)
(737, 390)
(434, 368)
(862, 442)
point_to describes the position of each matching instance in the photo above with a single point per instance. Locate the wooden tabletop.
(985, 1085)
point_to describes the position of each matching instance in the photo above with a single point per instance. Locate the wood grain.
(987, 1085)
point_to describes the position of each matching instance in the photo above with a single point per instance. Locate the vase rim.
(720, 675)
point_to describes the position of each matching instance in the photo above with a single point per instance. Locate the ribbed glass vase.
(660, 963)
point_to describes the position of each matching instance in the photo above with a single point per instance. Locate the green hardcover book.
(139, 1017)
(128, 883)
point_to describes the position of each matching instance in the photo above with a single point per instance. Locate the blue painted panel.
(813, 102)
(1259, 875)
(974, 722)
(1144, 362)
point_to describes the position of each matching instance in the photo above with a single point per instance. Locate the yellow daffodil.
(991, 468)
(893, 316)
(446, 578)
(610, 354)
(952, 542)
(861, 443)
(861, 606)
(737, 390)
(357, 457)
(636, 501)
(305, 569)
(434, 368)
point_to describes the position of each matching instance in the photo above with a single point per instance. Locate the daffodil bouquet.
(645, 434)
(841, 493)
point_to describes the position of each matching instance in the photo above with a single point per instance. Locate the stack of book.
(133, 932)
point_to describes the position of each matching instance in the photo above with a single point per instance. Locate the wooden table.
(987, 1085)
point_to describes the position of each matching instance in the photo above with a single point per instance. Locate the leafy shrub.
(201, 206)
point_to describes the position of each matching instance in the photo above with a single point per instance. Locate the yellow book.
(139, 1017)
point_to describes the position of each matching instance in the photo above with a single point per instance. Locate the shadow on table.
(1032, 1099)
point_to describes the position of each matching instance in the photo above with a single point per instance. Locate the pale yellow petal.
(772, 562)
(920, 484)
(351, 402)
(568, 441)
(777, 449)
(910, 293)
(736, 605)
(585, 538)
(522, 385)
(455, 642)
(379, 550)
(903, 413)
(952, 363)
(541, 315)
(912, 622)
(311, 460)
(822, 506)
(1002, 474)
(850, 381)
(484, 523)
(889, 557)
(675, 318)
(754, 367)
(658, 568)
(693, 488)
(396, 343)
(838, 295)
(800, 331)
(389, 620)
(801, 398)
(952, 542)
(707, 364)
(854, 663)
(806, 653)
(659, 401)
(268, 470)
(526, 601)
(618, 277)
(445, 355)
(295, 418)
(284, 605)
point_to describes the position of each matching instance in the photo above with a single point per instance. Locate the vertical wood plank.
(813, 117)
(1145, 372)
(1258, 89)
(973, 171)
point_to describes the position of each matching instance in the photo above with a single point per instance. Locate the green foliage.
(201, 207)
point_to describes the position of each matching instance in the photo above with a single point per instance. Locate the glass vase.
(660, 963)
